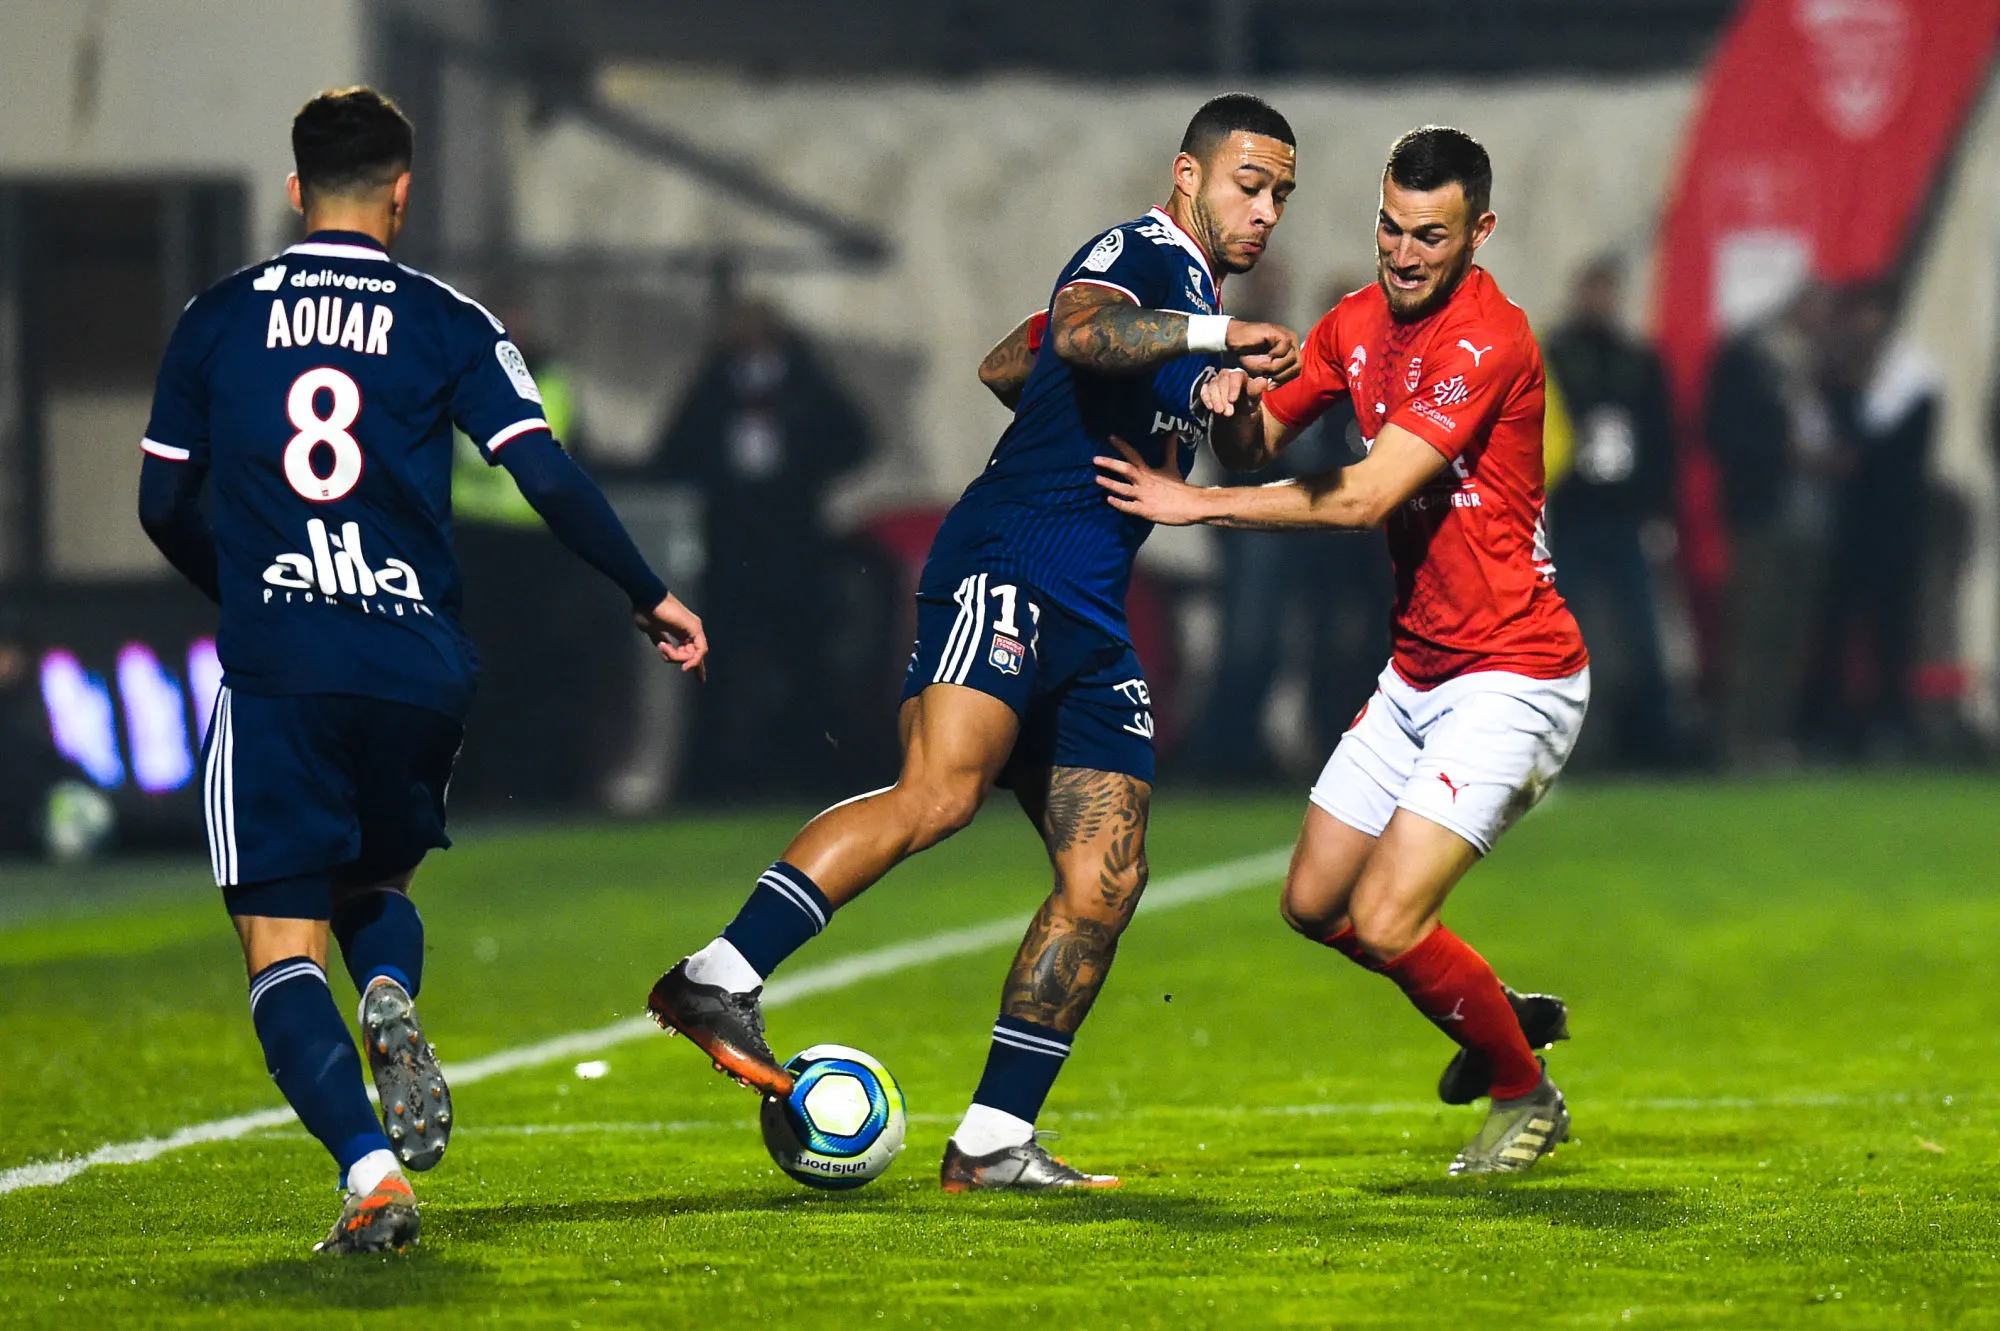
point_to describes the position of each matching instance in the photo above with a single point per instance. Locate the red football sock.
(1453, 986)
(1343, 941)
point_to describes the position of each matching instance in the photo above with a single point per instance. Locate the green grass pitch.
(1784, 1084)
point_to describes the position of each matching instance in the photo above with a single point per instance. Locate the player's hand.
(1226, 390)
(1157, 494)
(676, 632)
(1269, 351)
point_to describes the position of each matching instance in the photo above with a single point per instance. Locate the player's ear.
(293, 192)
(1187, 175)
(1483, 228)
(399, 195)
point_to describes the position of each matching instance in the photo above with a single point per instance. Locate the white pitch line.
(1179, 890)
(290, 1130)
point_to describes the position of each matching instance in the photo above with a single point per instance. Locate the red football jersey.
(1475, 588)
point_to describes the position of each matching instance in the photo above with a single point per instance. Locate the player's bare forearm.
(1096, 328)
(1005, 369)
(1356, 497)
(1319, 500)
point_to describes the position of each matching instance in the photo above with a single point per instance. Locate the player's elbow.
(1000, 382)
(1372, 511)
(159, 507)
(1073, 343)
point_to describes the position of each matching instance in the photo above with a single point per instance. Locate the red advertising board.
(1822, 131)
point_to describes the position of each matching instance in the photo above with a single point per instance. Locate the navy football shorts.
(308, 793)
(1079, 691)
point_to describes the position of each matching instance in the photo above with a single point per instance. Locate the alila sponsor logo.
(1357, 361)
(1192, 427)
(336, 566)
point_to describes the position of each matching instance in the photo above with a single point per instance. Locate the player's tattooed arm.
(1097, 328)
(1095, 826)
(1005, 369)
(1101, 328)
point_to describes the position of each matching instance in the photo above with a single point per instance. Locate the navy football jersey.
(319, 391)
(1036, 512)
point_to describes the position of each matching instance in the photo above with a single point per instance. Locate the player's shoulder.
(1490, 328)
(1351, 321)
(452, 305)
(1486, 309)
(1360, 308)
(1152, 239)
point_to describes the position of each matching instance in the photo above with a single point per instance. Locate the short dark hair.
(350, 139)
(1433, 156)
(1225, 115)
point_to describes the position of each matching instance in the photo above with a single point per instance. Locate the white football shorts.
(1473, 754)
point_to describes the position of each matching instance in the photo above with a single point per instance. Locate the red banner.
(1822, 130)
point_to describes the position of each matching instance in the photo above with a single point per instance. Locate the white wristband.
(1208, 332)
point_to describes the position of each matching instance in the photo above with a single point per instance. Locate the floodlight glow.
(204, 683)
(155, 720)
(82, 721)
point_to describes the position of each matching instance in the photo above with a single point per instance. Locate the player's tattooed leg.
(1094, 824)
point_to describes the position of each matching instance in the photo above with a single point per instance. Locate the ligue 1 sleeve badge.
(1007, 654)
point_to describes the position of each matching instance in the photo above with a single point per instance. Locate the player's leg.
(1083, 771)
(278, 796)
(1094, 825)
(311, 1058)
(403, 766)
(1353, 804)
(1492, 745)
(956, 740)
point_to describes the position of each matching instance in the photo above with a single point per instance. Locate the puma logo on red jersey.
(1451, 785)
(1477, 352)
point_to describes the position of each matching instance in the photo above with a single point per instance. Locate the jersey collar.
(341, 245)
(1187, 243)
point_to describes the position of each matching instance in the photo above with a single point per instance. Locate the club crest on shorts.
(1006, 654)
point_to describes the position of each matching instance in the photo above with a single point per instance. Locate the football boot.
(1517, 1133)
(383, 1219)
(416, 1104)
(728, 1026)
(1027, 1167)
(1544, 1020)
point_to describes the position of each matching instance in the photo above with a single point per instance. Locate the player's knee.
(1385, 931)
(1301, 918)
(939, 809)
(1107, 891)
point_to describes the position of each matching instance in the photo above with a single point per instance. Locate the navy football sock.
(309, 1054)
(380, 933)
(1021, 1067)
(785, 910)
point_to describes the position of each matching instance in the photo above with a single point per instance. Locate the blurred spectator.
(763, 434)
(1332, 589)
(1620, 483)
(1882, 398)
(29, 765)
(1772, 437)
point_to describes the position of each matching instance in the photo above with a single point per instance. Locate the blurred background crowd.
(754, 255)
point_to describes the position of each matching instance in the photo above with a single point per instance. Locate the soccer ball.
(842, 1124)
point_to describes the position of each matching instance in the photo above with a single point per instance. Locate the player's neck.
(1181, 208)
(372, 222)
